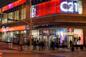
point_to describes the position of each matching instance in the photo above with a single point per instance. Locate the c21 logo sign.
(69, 6)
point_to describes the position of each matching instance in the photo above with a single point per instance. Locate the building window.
(17, 15)
(10, 17)
(4, 18)
(23, 13)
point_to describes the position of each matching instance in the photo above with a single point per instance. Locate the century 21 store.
(47, 19)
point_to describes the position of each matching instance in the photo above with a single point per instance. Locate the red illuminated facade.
(56, 7)
(47, 8)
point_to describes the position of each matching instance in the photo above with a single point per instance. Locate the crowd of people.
(50, 43)
(53, 44)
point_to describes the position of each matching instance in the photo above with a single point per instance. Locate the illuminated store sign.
(69, 6)
(12, 5)
(56, 7)
(15, 28)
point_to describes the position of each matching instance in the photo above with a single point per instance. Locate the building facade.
(47, 19)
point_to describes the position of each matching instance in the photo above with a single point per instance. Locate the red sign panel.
(47, 8)
(12, 5)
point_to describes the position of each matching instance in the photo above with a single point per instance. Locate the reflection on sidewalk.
(30, 55)
(0, 54)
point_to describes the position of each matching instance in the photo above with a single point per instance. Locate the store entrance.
(54, 38)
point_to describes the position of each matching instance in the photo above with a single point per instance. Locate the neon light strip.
(12, 5)
(15, 28)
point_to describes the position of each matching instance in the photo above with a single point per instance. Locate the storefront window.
(0, 19)
(78, 33)
(35, 33)
(60, 35)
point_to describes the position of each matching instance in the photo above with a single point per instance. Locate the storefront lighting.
(15, 28)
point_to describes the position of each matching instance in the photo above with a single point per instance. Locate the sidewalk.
(43, 53)
(60, 50)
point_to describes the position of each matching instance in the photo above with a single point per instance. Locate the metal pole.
(28, 6)
(30, 26)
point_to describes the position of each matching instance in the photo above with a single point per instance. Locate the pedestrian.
(71, 45)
